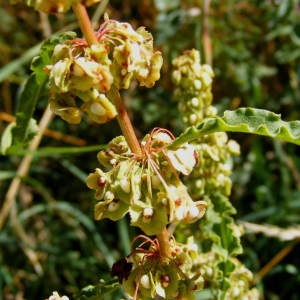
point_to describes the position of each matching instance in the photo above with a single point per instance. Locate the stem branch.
(84, 23)
(276, 260)
(164, 243)
(124, 121)
(206, 39)
(123, 118)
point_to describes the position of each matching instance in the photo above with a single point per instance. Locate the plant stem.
(122, 117)
(164, 243)
(124, 121)
(84, 23)
(206, 39)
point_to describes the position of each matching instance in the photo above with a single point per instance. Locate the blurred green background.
(255, 53)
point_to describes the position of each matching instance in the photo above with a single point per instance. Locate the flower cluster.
(55, 6)
(239, 281)
(210, 180)
(80, 74)
(85, 74)
(193, 91)
(55, 296)
(155, 276)
(146, 186)
(214, 168)
(133, 56)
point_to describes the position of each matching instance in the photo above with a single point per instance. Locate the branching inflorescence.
(222, 273)
(144, 178)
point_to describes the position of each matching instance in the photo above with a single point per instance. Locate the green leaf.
(6, 138)
(223, 232)
(40, 61)
(246, 120)
(44, 58)
(7, 175)
(95, 292)
(26, 127)
(58, 151)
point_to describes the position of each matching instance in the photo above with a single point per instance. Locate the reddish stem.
(85, 23)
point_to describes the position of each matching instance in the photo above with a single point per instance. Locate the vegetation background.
(254, 47)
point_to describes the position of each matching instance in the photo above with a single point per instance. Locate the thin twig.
(45, 25)
(276, 260)
(114, 95)
(10, 199)
(23, 168)
(206, 39)
(99, 12)
(50, 133)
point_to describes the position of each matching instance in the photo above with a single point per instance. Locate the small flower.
(155, 276)
(55, 296)
(86, 73)
(146, 186)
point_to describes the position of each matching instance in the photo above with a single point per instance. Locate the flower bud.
(233, 147)
(145, 281)
(147, 214)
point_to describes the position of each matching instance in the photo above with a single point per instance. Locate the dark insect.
(121, 269)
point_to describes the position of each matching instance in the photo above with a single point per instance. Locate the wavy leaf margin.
(244, 120)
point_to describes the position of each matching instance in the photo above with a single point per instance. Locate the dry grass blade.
(283, 234)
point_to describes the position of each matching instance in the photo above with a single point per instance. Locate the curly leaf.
(222, 232)
(6, 138)
(247, 120)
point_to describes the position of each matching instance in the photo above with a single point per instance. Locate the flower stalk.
(164, 243)
(124, 121)
(84, 23)
(122, 117)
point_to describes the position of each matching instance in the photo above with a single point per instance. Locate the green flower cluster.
(54, 6)
(80, 74)
(193, 92)
(146, 186)
(156, 277)
(85, 74)
(238, 282)
(193, 87)
(210, 180)
(133, 56)
(214, 165)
